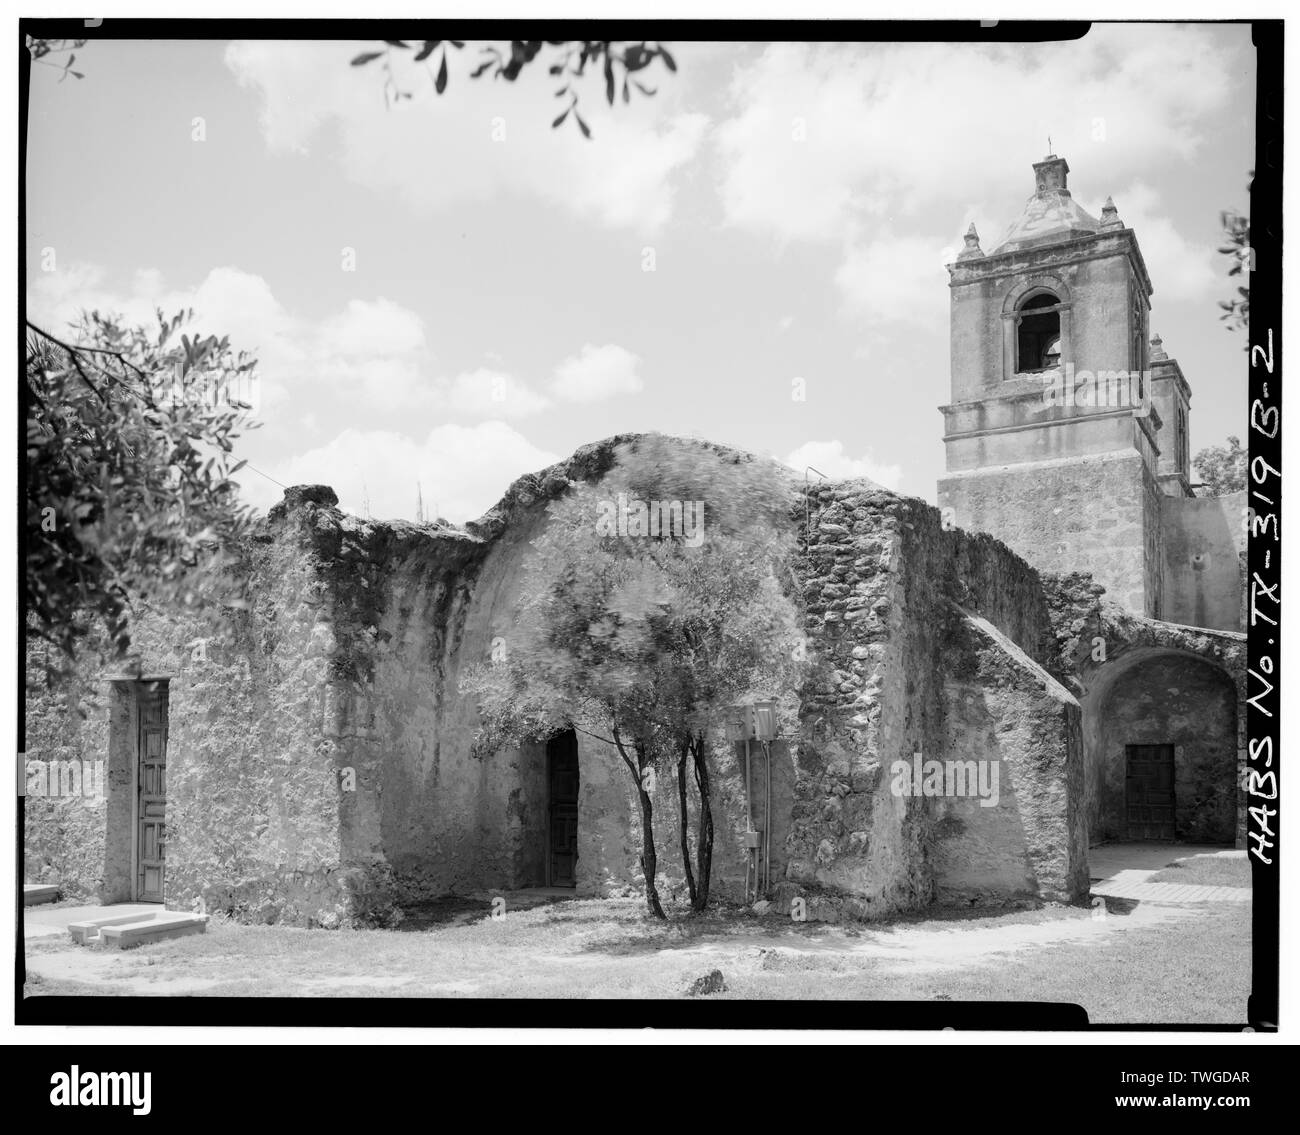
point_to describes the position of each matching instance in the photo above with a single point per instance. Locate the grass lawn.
(1141, 963)
(1207, 871)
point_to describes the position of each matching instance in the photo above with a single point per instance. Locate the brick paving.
(1132, 882)
(1133, 885)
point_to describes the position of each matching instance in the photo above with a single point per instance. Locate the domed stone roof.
(1051, 214)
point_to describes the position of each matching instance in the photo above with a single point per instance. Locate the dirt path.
(923, 949)
(603, 948)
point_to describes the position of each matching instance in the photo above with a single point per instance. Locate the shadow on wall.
(1154, 698)
(980, 835)
(1009, 821)
(609, 819)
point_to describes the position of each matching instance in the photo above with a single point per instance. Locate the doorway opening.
(1149, 792)
(562, 810)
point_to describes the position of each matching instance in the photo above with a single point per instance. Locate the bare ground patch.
(1139, 963)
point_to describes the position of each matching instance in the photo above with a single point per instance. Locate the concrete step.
(124, 931)
(170, 925)
(36, 893)
(88, 931)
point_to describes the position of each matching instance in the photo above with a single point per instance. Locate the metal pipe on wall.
(749, 824)
(767, 823)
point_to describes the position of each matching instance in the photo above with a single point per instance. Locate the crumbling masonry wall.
(253, 813)
(889, 594)
(65, 833)
(320, 765)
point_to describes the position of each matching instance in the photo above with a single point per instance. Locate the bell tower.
(1051, 434)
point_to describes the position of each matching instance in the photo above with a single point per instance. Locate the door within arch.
(1161, 733)
(562, 810)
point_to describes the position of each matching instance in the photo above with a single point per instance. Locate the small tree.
(1222, 468)
(129, 496)
(729, 630)
(638, 638)
(579, 655)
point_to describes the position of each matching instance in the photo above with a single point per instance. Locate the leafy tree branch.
(622, 67)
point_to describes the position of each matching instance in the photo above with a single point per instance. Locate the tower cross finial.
(1049, 143)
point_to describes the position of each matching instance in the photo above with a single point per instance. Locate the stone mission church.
(1067, 620)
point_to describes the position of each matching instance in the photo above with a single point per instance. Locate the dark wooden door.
(151, 788)
(562, 809)
(1149, 791)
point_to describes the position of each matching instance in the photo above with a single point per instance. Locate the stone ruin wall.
(412, 608)
(889, 594)
(65, 835)
(319, 755)
(253, 801)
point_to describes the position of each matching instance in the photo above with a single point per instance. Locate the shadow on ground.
(452, 910)
(461, 910)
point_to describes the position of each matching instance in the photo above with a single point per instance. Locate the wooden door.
(562, 810)
(1149, 791)
(151, 794)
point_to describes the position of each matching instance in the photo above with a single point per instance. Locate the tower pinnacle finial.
(1050, 175)
(972, 249)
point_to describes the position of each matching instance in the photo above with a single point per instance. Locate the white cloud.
(795, 158)
(461, 470)
(486, 391)
(596, 373)
(827, 141)
(1180, 269)
(227, 302)
(869, 147)
(481, 139)
(897, 280)
(373, 351)
(374, 329)
(829, 458)
(56, 299)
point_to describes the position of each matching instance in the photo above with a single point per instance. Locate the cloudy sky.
(450, 293)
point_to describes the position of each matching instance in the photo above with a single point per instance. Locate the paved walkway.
(1121, 871)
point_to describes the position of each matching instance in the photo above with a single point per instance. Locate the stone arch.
(1026, 290)
(1164, 696)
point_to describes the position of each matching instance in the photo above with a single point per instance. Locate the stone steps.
(126, 930)
(36, 893)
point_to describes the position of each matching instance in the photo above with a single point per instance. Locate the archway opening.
(1038, 334)
(1162, 746)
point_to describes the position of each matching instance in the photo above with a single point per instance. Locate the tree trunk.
(649, 862)
(682, 753)
(704, 841)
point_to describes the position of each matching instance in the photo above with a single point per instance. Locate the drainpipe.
(767, 823)
(749, 824)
